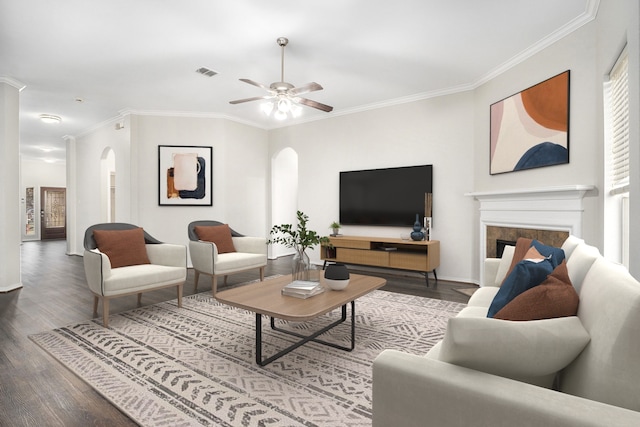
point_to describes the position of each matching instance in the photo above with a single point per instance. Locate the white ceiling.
(141, 55)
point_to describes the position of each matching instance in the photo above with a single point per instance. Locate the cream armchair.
(247, 253)
(152, 264)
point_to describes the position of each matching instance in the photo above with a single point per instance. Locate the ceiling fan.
(284, 95)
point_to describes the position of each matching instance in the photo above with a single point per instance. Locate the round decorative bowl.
(336, 285)
(336, 276)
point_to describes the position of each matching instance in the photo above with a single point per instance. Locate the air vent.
(206, 72)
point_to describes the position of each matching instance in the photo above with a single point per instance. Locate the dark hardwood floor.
(35, 390)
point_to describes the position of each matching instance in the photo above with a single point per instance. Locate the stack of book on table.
(302, 289)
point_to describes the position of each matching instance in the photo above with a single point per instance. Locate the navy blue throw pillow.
(525, 275)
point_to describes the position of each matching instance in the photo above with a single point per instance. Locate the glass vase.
(300, 265)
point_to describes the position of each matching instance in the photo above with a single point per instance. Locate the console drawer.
(408, 261)
(341, 242)
(356, 256)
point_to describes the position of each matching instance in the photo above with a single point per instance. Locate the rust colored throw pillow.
(123, 247)
(218, 234)
(555, 297)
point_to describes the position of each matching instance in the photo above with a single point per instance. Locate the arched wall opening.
(284, 194)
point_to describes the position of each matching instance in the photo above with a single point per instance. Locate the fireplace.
(500, 244)
(546, 214)
(498, 237)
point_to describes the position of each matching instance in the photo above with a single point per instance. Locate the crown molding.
(589, 15)
(13, 82)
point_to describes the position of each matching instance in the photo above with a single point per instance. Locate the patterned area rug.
(168, 366)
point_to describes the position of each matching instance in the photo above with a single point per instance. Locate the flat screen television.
(390, 196)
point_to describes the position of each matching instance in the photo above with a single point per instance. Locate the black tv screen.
(391, 196)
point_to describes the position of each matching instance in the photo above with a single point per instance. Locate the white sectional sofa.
(580, 370)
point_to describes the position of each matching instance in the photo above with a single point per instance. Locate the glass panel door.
(53, 213)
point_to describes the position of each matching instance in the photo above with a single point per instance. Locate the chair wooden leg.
(180, 295)
(140, 299)
(96, 299)
(105, 312)
(197, 276)
(262, 274)
(214, 285)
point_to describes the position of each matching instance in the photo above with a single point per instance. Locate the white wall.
(438, 131)
(239, 175)
(576, 53)
(450, 132)
(90, 149)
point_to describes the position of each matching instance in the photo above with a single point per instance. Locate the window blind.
(619, 87)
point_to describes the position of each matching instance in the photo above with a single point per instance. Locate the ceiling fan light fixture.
(279, 115)
(267, 107)
(296, 110)
(284, 105)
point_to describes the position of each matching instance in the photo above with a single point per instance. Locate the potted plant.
(299, 238)
(335, 226)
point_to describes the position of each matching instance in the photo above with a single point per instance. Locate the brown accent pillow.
(218, 234)
(123, 247)
(555, 297)
(522, 247)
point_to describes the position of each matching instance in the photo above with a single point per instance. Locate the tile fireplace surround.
(548, 214)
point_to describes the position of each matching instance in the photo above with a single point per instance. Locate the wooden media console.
(422, 256)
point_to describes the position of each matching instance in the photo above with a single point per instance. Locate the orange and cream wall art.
(531, 128)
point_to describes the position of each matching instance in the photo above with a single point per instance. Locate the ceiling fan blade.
(251, 82)
(314, 104)
(309, 87)
(255, 98)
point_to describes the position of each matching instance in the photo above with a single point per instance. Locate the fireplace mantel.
(558, 192)
(543, 208)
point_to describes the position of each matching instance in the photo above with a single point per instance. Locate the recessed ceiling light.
(49, 118)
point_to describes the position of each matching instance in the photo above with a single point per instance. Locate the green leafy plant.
(335, 224)
(299, 238)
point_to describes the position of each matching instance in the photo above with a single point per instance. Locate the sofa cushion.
(139, 278)
(581, 260)
(477, 311)
(522, 246)
(525, 275)
(238, 261)
(522, 351)
(607, 369)
(554, 297)
(220, 235)
(123, 247)
(570, 244)
(483, 297)
(505, 264)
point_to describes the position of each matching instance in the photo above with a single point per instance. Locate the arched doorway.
(284, 194)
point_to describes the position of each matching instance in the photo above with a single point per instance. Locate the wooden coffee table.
(265, 298)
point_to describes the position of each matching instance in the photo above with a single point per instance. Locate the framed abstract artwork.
(531, 128)
(184, 175)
